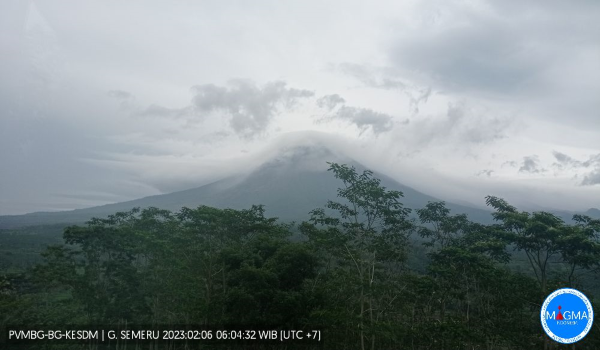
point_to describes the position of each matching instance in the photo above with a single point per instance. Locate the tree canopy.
(369, 272)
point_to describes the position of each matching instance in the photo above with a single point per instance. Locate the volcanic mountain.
(289, 186)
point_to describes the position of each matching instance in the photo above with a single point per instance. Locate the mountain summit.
(289, 185)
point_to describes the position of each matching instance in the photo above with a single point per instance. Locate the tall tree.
(536, 234)
(367, 231)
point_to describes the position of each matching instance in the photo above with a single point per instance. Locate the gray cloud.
(461, 125)
(564, 161)
(477, 128)
(592, 178)
(530, 165)
(250, 107)
(467, 57)
(588, 169)
(542, 56)
(386, 78)
(330, 101)
(594, 160)
(422, 96)
(365, 118)
(126, 99)
(512, 164)
(485, 172)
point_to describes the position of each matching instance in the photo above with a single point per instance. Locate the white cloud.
(430, 91)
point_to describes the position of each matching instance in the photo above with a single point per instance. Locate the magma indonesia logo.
(567, 315)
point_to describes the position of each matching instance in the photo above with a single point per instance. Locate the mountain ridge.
(289, 185)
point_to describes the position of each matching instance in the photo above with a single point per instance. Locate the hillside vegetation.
(361, 268)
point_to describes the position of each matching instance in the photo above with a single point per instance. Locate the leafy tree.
(579, 247)
(349, 272)
(471, 302)
(367, 234)
(537, 234)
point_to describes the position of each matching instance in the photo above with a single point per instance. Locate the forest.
(365, 270)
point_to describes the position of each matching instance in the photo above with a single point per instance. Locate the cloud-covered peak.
(443, 94)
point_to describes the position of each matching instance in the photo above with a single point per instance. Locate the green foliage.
(365, 240)
(546, 239)
(350, 272)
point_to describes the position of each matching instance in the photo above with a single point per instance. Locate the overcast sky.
(105, 101)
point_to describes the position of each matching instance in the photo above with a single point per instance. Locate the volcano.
(289, 185)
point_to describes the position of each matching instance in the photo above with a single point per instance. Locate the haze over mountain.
(454, 98)
(290, 184)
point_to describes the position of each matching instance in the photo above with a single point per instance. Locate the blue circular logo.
(567, 315)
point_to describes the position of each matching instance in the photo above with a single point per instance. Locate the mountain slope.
(289, 186)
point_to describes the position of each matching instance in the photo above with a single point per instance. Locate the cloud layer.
(109, 101)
